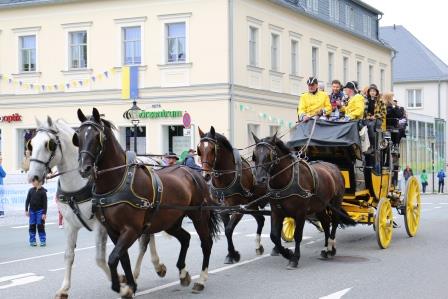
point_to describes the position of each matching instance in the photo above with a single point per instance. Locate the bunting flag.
(129, 82)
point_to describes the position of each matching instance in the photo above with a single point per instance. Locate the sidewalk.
(18, 218)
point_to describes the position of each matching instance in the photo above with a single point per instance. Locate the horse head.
(207, 150)
(265, 156)
(45, 150)
(90, 139)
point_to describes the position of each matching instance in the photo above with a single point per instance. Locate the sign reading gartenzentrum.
(155, 114)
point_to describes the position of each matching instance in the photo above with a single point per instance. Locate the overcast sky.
(427, 20)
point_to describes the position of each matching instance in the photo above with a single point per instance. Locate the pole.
(135, 138)
(433, 178)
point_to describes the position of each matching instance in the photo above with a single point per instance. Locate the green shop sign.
(160, 114)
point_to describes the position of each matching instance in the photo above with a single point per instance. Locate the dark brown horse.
(233, 183)
(300, 190)
(133, 199)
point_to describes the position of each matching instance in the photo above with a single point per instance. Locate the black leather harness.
(73, 199)
(235, 187)
(125, 193)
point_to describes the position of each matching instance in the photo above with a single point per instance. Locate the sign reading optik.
(12, 118)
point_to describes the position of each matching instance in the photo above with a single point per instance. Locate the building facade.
(237, 65)
(422, 88)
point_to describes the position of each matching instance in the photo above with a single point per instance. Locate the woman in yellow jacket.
(314, 102)
(354, 110)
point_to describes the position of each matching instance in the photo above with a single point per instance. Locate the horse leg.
(101, 243)
(159, 267)
(259, 250)
(331, 249)
(325, 221)
(298, 234)
(233, 256)
(205, 236)
(69, 257)
(276, 236)
(143, 242)
(129, 289)
(184, 238)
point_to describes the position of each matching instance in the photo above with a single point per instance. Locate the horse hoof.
(61, 296)
(275, 252)
(324, 254)
(260, 250)
(292, 265)
(162, 271)
(288, 254)
(185, 282)
(197, 288)
(232, 258)
(126, 292)
(237, 256)
(333, 251)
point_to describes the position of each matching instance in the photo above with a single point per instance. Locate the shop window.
(176, 140)
(127, 139)
(24, 135)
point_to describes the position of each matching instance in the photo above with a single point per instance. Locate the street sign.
(187, 132)
(186, 119)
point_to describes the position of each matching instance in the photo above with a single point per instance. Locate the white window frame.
(177, 60)
(76, 27)
(129, 22)
(367, 25)
(171, 19)
(350, 16)
(334, 10)
(371, 72)
(331, 56)
(123, 46)
(294, 43)
(312, 5)
(412, 103)
(20, 32)
(345, 68)
(256, 60)
(275, 51)
(359, 72)
(70, 54)
(315, 61)
(29, 50)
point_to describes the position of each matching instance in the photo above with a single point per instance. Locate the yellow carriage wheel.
(384, 223)
(413, 205)
(289, 227)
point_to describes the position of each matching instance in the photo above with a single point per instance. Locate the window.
(274, 52)
(382, 79)
(294, 57)
(430, 130)
(312, 5)
(413, 129)
(367, 25)
(334, 10)
(252, 128)
(330, 66)
(78, 49)
(253, 39)
(345, 69)
(127, 135)
(349, 17)
(371, 74)
(415, 98)
(176, 42)
(359, 72)
(314, 61)
(27, 53)
(132, 45)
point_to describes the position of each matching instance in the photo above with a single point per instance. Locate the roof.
(413, 61)
(368, 7)
(18, 3)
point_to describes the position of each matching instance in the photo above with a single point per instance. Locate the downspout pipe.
(439, 104)
(231, 73)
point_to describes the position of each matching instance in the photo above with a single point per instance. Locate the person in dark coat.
(190, 162)
(36, 210)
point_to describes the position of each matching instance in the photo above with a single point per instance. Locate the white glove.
(402, 121)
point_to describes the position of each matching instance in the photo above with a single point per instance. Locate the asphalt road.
(410, 268)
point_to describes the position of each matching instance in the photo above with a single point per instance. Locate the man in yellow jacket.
(354, 109)
(313, 103)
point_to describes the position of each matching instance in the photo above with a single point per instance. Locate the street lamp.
(134, 114)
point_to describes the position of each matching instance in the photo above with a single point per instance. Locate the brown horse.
(300, 190)
(233, 183)
(132, 200)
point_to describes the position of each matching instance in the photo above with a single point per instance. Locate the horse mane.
(222, 140)
(109, 124)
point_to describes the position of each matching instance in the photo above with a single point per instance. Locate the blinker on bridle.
(51, 146)
(215, 142)
(272, 155)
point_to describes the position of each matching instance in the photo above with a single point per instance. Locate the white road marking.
(234, 234)
(59, 269)
(437, 207)
(247, 220)
(18, 280)
(427, 203)
(336, 295)
(443, 203)
(26, 226)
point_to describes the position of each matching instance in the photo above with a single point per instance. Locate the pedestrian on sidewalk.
(424, 180)
(2, 175)
(441, 177)
(36, 210)
(407, 173)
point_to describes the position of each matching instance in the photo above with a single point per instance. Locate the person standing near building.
(36, 210)
(26, 161)
(407, 173)
(313, 103)
(424, 180)
(441, 177)
(2, 176)
(354, 110)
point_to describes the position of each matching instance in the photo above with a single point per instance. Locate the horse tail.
(343, 217)
(214, 221)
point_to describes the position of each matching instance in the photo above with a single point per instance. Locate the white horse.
(52, 147)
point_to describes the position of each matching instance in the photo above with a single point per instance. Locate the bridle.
(52, 147)
(100, 147)
(273, 155)
(216, 145)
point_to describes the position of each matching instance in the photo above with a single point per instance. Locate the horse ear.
(212, 132)
(96, 115)
(274, 138)
(75, 140)
(49, 121)
(201, 134)
(256, 139)
(82, 118)
(38, 122)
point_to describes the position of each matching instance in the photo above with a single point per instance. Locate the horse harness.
(125, 193)
(52, 147)
(73, 199)
(235, 187)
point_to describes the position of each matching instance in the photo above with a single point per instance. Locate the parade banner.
(13, 196)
